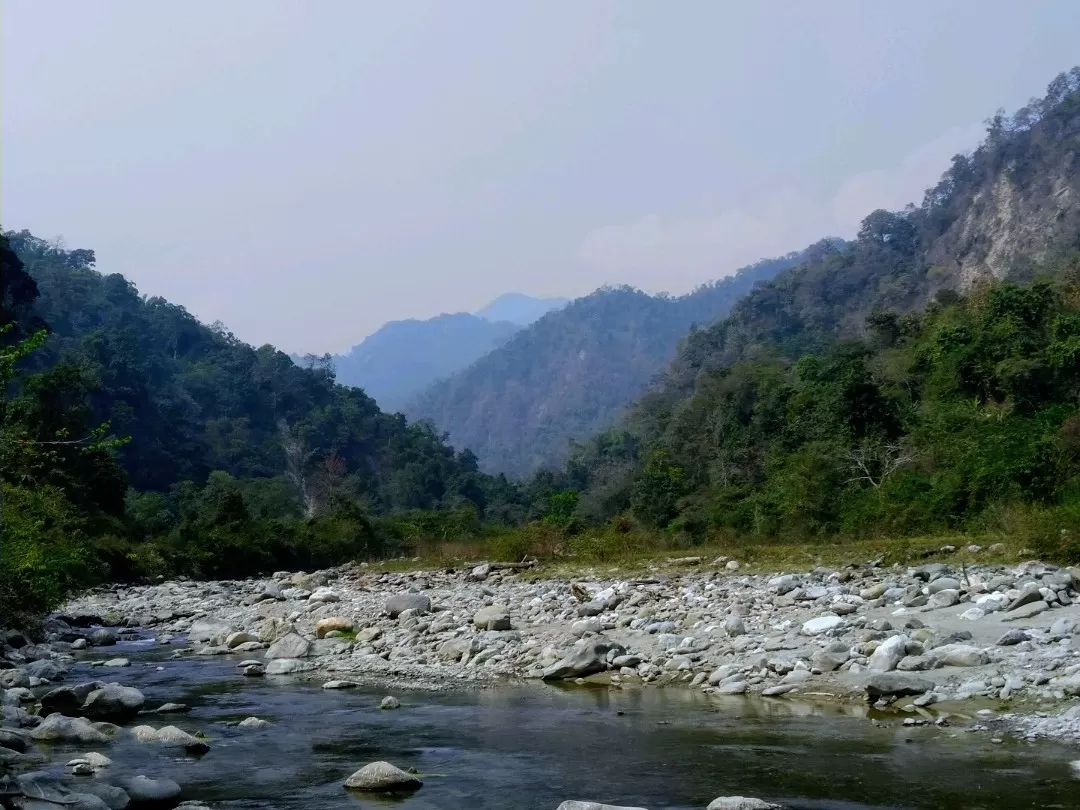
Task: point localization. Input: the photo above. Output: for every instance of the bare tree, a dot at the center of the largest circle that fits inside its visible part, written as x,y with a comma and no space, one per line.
297,456
873,463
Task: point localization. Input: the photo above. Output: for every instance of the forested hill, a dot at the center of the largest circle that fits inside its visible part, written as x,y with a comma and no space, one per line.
571,373
957,398
402,358
1012,205
195,399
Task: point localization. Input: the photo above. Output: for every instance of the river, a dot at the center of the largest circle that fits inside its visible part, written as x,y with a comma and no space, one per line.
531,747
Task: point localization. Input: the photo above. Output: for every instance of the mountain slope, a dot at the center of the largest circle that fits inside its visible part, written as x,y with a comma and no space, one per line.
570,373
520,308
402,358
1008,212
997,214
195,399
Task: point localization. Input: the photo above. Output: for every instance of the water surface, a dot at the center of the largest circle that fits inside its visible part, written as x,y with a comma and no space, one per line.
531,747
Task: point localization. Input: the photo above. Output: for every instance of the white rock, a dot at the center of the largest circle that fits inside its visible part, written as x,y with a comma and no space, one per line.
888,654
821,624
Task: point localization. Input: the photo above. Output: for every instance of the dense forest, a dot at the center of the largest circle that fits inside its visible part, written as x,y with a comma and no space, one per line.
571,373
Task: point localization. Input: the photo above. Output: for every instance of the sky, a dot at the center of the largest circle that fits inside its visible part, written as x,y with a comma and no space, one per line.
305,171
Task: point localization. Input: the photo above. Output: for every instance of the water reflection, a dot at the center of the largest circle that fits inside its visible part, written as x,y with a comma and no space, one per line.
530,747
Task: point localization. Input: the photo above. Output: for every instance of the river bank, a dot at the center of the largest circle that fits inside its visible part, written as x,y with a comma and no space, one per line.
931,653
928,640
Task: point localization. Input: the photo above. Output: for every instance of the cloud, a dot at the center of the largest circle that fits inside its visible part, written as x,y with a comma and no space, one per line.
686,252
895,187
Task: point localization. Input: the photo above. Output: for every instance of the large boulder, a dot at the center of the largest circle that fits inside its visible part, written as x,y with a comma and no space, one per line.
382,777
888,654
46,670
208,630
14,679
896,684
741,803
291,645
234,640
959,655
170,735
492,617
115,798
102,637
586,658
324,595
284,666
67,699
144,791
113,702
396,605
58,728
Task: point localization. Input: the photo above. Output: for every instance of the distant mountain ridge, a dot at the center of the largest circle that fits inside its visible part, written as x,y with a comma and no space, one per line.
403,358
520,308
571,373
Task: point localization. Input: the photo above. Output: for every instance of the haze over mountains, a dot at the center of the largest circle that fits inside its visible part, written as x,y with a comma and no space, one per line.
403,358
571,373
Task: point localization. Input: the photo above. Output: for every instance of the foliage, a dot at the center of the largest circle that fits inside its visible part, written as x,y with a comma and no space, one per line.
971,410
570,374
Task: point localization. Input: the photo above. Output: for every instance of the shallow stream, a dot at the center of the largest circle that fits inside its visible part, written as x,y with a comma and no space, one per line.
531,747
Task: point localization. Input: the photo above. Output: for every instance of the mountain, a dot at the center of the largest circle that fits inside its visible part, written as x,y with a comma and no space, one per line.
402,358
519,308
570,373
195,399
937,350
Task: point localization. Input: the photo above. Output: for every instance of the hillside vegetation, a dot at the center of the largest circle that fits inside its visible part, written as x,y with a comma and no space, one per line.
921,379
136,440
572,372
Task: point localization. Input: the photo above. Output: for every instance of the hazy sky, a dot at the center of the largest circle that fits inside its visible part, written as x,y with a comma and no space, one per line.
305,171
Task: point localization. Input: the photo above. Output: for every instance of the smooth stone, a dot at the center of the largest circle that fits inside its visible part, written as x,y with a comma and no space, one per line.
390,702
896,684
888,654
144,790
944,598
382,777
492,617
207,629
324,595
396,605
288,646
253,722
741,803
576,805
170,735
283,666
58,728
340,685
821,624
113,702
943,584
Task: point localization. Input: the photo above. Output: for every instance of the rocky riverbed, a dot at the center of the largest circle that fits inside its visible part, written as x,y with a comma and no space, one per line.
915,637
982,647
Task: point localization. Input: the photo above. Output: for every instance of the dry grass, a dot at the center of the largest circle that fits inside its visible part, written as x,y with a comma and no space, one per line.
753,558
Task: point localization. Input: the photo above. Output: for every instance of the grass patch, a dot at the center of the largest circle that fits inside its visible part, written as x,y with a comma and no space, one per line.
635,556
